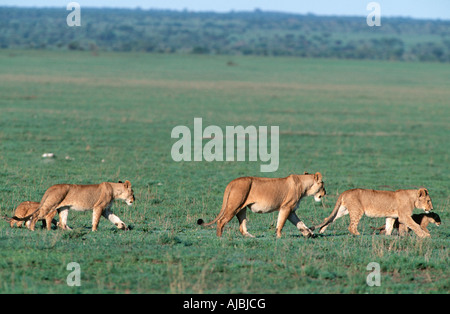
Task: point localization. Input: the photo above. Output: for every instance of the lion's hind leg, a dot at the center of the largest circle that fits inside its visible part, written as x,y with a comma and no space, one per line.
342,211
51,201
355,217
234,202
226,217
242,217
228,214
402,229
389,225
49,219
40,215
63,214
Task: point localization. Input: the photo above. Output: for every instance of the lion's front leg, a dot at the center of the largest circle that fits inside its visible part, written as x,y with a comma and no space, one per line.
293,218
410,223
114,219
100,207
96,213
281,220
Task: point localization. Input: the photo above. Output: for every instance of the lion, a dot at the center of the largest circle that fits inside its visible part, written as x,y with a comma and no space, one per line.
265,195
423,220
27,208
95,197
391,204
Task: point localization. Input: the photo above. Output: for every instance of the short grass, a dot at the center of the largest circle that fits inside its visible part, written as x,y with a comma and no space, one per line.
380,125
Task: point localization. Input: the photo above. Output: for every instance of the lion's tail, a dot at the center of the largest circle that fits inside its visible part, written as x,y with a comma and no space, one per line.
332,216
226,195
383,227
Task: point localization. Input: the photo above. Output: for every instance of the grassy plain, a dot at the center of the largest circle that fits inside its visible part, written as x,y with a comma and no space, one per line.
381,125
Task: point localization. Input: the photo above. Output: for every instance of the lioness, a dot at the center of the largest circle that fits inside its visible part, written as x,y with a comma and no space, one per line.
390,204
28,208
423,220
265,195
95,197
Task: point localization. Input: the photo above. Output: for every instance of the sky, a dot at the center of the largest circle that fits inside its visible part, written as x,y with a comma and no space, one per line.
423,9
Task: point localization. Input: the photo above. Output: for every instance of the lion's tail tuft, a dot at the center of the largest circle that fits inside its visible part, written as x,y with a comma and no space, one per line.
200,222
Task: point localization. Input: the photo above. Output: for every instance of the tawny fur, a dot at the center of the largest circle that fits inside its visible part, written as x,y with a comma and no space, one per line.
265,195
95,197
390,204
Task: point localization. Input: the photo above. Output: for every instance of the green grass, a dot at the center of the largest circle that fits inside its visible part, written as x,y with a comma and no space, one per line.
380,125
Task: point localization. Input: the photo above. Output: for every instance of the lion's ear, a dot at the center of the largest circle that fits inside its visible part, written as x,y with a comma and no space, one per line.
120,181
422,192
318,177
127,184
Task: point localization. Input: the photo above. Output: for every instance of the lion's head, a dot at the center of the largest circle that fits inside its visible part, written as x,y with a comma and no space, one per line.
317,189
423,200
126,193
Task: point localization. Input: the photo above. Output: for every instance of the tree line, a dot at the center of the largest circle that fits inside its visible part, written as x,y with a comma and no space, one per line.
243,33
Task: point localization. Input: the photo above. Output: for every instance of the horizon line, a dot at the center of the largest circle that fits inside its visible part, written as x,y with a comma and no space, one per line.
256,10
